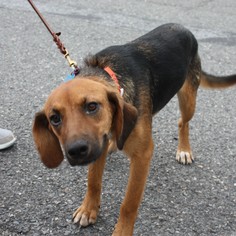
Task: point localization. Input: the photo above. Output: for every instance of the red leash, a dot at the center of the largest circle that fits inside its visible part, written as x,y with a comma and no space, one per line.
56,39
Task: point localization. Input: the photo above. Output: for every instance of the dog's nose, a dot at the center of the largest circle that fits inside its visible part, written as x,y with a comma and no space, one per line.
78,149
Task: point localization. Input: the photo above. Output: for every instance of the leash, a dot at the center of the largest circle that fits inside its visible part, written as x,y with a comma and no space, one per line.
59,44
65,52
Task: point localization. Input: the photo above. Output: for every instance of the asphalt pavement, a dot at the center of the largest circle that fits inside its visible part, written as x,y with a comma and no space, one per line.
179,200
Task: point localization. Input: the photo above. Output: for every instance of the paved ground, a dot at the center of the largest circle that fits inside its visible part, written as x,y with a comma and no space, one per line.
179,200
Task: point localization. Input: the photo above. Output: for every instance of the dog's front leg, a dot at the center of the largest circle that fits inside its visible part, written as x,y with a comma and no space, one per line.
87,213
140,158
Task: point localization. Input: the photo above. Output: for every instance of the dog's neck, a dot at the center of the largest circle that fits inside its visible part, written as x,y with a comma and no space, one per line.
104,74
114,77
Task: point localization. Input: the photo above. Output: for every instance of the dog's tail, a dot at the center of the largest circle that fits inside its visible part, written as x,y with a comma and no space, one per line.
212,81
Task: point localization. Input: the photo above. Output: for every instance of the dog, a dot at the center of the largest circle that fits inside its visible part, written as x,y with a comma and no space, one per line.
109,105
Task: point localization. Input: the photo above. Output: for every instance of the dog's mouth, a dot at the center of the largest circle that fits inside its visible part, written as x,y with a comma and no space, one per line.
80,162
81,152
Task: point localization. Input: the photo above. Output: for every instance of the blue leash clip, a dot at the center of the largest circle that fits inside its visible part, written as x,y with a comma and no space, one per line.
69,77
72,75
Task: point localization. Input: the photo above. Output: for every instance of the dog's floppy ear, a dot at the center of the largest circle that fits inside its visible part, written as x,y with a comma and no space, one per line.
124,119
46,141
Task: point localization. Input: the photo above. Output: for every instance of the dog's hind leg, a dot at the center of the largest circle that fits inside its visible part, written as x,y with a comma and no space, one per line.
187,102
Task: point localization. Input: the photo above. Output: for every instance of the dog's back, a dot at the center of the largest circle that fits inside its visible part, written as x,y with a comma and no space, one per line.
157,61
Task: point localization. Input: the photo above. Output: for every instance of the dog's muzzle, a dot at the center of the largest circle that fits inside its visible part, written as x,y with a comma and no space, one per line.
81,152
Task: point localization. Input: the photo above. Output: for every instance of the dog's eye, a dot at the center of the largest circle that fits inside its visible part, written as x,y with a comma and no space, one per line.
92,107
55,119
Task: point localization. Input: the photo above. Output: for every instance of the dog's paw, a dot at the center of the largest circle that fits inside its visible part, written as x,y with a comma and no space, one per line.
85,215
185,158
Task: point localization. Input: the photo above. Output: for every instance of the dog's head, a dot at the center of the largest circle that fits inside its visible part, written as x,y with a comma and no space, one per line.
80,116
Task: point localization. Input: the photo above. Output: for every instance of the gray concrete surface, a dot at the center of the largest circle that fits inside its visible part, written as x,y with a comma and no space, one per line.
179,200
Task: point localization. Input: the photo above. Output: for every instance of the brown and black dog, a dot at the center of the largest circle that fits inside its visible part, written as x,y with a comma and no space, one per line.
88,117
